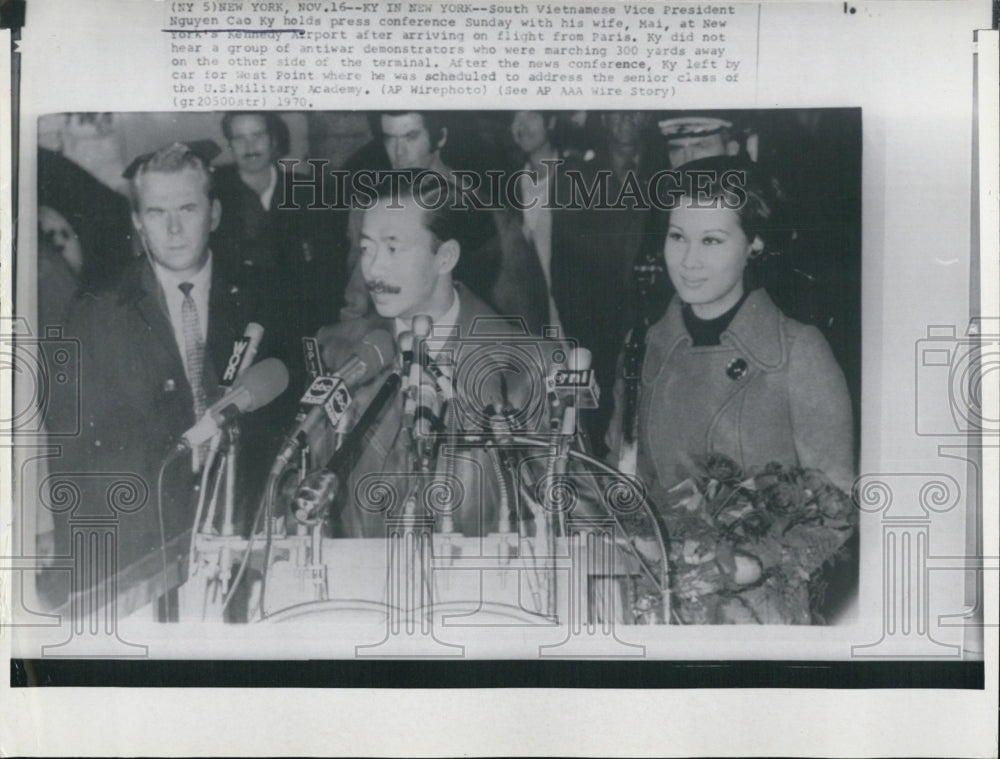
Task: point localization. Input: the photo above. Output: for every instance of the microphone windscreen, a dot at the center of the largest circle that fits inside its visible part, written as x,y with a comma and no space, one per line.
314,496
422,325
405,342
579,359
254,331
263,382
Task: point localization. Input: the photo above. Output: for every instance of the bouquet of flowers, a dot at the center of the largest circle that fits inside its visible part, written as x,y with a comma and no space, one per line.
744,546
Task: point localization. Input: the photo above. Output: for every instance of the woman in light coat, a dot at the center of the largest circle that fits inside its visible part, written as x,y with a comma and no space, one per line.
724,370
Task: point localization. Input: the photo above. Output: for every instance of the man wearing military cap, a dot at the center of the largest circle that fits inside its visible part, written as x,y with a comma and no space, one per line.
694,135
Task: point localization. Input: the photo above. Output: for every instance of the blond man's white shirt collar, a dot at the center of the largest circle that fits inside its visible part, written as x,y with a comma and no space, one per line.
170,282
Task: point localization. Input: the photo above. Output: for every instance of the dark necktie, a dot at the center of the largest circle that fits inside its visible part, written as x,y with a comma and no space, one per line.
194,350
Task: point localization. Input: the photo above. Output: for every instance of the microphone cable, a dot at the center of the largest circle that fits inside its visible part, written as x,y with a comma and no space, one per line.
206,467
267,505
250,541
169,459
662,583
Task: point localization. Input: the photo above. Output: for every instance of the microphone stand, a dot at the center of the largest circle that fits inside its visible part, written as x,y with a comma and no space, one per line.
281,464
555,468
499,438
229,466
214,572
229,463
645,276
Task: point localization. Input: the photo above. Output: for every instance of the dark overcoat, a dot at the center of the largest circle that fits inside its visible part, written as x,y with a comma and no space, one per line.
135,401
378,480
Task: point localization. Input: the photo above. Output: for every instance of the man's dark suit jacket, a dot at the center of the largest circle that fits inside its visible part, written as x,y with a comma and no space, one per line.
298,249
135,400
382,461
594,251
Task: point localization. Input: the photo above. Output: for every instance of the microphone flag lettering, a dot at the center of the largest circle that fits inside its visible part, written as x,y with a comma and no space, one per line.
233,366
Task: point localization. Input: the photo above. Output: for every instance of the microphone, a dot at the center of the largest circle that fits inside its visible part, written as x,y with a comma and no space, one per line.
244,351
568,388
368,360
371,356
255,388
422,325
368,418
411,366
426,423
556,400
573,385
573,389
585,391
255,333
405,344
314,495
441,380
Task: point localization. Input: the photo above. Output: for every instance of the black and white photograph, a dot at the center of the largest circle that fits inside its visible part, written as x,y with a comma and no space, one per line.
600,345
567,350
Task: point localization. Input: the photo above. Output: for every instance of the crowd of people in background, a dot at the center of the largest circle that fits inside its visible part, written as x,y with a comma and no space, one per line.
157,276
573,268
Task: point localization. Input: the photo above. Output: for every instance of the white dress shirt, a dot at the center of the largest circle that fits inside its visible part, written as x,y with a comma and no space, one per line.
170,283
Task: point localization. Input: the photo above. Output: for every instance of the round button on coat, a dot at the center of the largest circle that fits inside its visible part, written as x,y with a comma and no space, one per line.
736,369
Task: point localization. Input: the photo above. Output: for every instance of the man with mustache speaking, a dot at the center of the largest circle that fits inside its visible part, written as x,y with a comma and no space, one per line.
410,243
498,264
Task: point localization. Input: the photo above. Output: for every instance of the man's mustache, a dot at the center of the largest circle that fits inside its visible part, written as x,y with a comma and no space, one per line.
379,286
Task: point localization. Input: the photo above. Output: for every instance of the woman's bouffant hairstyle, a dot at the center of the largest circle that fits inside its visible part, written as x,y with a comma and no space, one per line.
737,184
727,182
